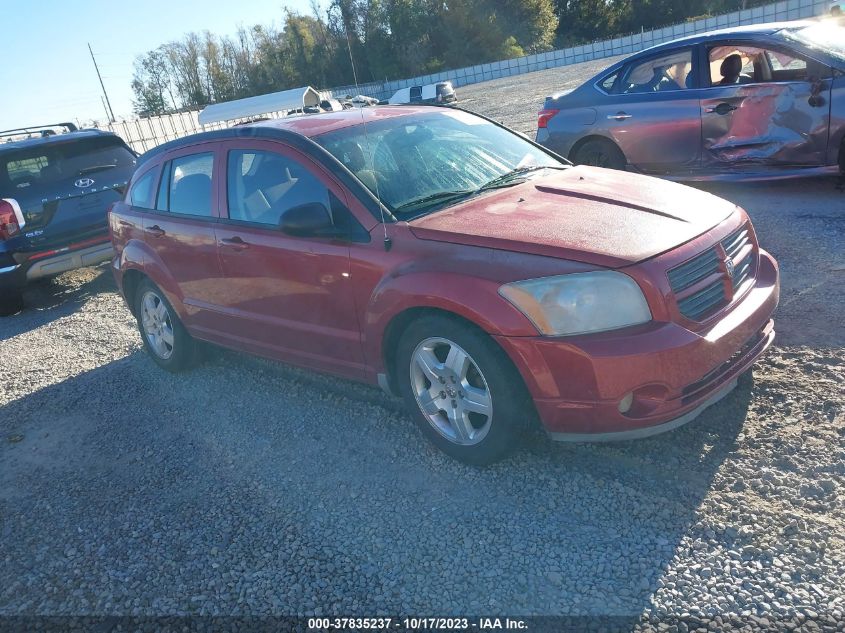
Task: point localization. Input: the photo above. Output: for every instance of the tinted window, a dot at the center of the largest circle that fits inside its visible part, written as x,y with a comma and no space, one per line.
189,185
263,185
142,192
416,93
40,169
659,74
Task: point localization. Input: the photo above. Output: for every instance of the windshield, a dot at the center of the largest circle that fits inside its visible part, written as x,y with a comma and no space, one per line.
421,162
36,170
826,36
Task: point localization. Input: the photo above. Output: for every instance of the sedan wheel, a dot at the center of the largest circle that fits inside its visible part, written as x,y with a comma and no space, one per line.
158,327
451,391
461,388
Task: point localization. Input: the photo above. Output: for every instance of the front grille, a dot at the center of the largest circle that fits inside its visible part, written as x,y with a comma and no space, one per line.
702,285
736,247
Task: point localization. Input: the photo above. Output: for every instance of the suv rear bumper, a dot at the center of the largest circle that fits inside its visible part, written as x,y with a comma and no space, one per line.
671,374
55,262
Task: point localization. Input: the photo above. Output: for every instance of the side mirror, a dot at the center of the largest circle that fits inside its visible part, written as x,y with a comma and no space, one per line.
311,219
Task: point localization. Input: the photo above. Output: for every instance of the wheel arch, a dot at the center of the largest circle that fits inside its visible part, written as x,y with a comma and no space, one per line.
593,137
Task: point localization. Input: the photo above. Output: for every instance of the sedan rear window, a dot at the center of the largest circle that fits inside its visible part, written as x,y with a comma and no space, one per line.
659,74
32,171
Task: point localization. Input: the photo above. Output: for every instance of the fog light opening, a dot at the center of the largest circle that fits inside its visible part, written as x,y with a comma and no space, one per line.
626,402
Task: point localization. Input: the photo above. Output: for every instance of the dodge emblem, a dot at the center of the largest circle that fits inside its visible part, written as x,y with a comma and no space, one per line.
729,267
84,183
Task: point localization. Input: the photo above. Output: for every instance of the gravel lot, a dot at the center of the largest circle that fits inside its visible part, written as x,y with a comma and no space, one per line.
247,487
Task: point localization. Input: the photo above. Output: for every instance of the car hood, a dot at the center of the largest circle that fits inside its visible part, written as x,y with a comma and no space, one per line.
585,214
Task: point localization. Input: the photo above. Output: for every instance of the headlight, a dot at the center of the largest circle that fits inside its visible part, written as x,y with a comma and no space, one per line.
579,303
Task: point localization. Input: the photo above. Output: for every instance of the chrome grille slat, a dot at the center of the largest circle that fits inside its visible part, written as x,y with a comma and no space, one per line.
735,242
702,302
694,270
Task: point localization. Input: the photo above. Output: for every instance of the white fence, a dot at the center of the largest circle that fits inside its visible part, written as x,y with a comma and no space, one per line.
144,134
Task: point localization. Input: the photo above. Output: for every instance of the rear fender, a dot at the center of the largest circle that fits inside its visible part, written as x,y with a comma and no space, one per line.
137,255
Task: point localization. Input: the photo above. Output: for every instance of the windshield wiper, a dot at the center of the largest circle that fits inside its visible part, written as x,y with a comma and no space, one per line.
95,168
440,196
511,177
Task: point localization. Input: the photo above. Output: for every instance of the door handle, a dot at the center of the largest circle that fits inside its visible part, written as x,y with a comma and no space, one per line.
234,242
155,230
619,116
722,108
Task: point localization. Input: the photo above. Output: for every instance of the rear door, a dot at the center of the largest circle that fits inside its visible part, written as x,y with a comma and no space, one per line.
180,231
289,296
776,112
64,187
652,111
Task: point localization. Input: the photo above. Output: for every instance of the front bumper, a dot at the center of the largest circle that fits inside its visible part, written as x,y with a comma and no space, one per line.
672,372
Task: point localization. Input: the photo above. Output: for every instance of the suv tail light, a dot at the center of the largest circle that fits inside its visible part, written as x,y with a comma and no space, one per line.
11,218
544,115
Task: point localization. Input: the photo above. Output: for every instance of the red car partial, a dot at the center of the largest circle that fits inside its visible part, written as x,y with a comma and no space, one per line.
453,262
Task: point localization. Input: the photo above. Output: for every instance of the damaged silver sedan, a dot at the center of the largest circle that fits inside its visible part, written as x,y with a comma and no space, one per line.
759,102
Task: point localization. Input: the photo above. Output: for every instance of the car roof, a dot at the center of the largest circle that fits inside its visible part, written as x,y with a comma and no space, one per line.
293,126
52,139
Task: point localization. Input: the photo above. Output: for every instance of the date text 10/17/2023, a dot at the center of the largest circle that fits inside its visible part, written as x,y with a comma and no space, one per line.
415,624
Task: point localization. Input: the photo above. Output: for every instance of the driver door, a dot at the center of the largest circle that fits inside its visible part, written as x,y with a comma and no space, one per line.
775,113
284,296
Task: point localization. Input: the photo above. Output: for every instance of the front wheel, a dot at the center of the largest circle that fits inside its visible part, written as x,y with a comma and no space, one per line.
462,390
600,153
11,301
165,338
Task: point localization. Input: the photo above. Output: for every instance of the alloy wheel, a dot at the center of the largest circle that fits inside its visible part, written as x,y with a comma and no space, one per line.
157,324
451,391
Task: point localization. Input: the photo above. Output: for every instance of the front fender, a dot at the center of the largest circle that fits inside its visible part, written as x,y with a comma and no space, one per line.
472,298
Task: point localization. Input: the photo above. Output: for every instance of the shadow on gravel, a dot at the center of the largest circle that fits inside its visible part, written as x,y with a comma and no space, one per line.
48,300
302,492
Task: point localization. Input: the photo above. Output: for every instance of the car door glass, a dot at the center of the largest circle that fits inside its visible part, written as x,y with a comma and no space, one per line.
660,74
416,93
261,186
189,185
142,192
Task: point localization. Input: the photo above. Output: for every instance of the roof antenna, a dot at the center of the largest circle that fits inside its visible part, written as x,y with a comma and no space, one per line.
388,243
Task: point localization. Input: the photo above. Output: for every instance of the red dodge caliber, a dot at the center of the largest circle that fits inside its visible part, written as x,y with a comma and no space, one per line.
453,262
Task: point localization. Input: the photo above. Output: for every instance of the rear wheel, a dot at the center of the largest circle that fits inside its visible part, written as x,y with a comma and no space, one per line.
462,390
165,338
600,153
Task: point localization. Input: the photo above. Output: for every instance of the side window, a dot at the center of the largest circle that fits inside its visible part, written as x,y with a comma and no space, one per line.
660,74
142,192
732,64
606,84
186,185
416,93
263,185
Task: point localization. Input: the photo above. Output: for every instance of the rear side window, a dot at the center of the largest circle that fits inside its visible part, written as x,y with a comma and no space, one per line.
416,93
660,74
263,185
143,191
186,185
42,169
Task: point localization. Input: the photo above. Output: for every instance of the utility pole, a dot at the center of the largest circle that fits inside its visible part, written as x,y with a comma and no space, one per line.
102,85
105,109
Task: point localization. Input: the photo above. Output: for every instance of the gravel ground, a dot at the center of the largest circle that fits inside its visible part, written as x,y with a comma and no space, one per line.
247,487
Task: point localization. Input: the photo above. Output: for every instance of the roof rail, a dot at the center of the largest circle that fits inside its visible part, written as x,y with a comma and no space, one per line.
40,130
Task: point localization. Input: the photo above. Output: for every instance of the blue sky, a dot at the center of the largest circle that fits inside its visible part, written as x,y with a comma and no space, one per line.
46,73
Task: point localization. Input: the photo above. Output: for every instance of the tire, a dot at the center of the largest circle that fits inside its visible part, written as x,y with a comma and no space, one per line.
11,301
600,153
165,338
446,365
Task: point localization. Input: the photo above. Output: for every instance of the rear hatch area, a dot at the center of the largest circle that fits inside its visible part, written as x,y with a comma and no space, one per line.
64,188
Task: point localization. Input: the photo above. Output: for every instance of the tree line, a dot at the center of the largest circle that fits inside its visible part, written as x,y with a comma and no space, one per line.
388,39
